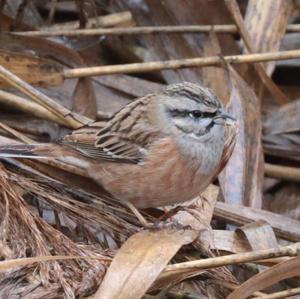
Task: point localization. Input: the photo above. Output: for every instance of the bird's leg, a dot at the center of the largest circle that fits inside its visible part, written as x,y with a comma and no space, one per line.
169,213
138,215
168,221
165,221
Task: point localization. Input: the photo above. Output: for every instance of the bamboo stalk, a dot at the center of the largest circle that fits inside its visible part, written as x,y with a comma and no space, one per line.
68,118
191,266
291,250
179,63
28,106
282,172
111,20
16,134
281,294
9,264
203,264
142,30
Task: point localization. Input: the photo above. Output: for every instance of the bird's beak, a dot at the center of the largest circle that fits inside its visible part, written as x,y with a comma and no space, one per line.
229,120
225,119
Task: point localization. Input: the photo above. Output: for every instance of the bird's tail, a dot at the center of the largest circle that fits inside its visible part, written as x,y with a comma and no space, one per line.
32,151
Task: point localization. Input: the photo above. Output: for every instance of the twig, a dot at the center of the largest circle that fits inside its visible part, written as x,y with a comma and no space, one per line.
179,63
111,20
282,172
8,264
16,134
142,30
69,118
52,11
282,294
291,250
28,106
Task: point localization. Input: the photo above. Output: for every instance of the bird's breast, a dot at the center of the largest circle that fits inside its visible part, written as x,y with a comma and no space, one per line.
166,176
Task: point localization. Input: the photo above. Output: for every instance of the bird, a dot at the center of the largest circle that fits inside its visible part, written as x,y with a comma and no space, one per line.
161,149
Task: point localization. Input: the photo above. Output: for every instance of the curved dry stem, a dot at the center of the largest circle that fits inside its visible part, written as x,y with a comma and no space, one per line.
28,106
267,278
67,117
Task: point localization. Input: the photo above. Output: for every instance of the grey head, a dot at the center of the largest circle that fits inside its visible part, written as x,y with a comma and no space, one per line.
193,112
196,118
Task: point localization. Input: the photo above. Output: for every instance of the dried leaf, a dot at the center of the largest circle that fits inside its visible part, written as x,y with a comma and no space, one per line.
165,47
266,28
215,77
132,86
229,241
281,131
284,227
267,81
198,212
241,180
46,61
260,235
284,270
32,69
139,262
291,194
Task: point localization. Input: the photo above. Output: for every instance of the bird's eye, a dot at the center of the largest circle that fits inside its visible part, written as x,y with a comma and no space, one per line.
195,114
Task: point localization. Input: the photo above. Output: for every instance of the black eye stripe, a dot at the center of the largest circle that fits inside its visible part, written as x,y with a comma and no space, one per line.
177,112
200,114
193,113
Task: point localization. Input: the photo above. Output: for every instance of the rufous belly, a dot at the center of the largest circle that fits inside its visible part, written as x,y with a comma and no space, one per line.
164,178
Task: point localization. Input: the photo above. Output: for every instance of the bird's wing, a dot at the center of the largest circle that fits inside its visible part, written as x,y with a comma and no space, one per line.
126,137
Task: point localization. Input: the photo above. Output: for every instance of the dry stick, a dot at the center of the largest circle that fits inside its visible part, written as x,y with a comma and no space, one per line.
16,134
28,106
282,172
291,250
69,119
143,30
115,19
51,12
179,63
269,84
8,264
277,295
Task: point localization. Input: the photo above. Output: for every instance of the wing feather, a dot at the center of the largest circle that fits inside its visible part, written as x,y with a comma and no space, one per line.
126,137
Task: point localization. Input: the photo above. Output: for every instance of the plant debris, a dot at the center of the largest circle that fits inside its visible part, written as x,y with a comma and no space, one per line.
66,64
